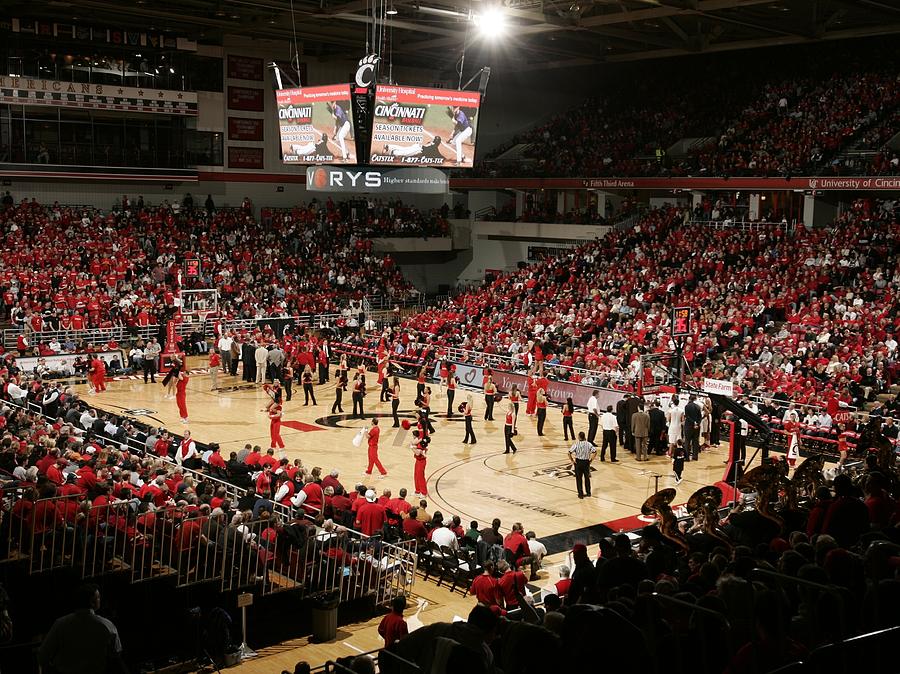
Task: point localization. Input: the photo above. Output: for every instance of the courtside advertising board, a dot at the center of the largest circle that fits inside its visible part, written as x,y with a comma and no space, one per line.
316,125
412,126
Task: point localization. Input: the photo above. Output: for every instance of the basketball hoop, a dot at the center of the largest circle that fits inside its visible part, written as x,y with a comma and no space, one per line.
198,304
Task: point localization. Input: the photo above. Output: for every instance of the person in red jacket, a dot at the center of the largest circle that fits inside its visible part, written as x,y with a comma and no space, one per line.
215,362
370,516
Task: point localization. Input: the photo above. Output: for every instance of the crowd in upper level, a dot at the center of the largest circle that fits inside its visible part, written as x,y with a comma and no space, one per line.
796,119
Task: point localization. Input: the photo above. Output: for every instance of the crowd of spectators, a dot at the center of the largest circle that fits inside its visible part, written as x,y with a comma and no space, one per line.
750,595
71,268
807,314
793,120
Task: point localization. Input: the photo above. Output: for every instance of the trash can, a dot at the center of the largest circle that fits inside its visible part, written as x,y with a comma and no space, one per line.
324,617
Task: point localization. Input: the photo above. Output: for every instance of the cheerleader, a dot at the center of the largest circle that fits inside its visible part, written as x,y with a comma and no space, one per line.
420,383
340,378
445,376
467,414
395,400
531,390
541,404
420,454
181,395
275,412
308,385
359,390
426,409
515,397
171,378
451,394
568,424
792,428
384,380
273,390
508,425
287,376
490,390
843,447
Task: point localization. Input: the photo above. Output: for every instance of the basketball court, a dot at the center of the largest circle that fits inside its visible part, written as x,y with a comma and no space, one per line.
477,482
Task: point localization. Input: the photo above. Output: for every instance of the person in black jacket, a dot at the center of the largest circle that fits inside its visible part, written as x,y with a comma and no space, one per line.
657,429
693,414
584,576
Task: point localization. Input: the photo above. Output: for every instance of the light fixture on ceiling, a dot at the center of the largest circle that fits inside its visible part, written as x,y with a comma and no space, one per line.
220,12
391,11
272,20
491,22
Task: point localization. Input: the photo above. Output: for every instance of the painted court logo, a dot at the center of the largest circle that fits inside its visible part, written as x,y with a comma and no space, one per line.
140,412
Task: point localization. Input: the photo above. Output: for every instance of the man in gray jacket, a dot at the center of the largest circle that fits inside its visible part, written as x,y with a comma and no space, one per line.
640,431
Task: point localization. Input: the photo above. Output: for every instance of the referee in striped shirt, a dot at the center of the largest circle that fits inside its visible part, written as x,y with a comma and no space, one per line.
581,455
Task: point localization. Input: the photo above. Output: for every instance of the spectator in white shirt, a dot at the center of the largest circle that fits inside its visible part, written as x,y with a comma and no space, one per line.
535,547
443,536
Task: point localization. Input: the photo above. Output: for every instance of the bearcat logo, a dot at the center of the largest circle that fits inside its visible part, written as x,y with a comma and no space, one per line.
395,110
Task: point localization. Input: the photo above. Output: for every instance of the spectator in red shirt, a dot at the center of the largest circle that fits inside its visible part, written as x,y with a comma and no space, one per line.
484,587
517,545
370,516
393,627
510,585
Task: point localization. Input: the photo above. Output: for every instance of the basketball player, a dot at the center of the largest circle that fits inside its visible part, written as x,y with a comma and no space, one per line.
430,151
462,131
341,126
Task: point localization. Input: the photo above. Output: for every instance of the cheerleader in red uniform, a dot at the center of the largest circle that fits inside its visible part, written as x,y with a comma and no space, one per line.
181,396
420,451
98,375
275,412
541,401
515,397
792,428
568,425
445,375
531,390
420,384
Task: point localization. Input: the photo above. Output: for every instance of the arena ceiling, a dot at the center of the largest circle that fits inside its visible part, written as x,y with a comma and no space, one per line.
539,34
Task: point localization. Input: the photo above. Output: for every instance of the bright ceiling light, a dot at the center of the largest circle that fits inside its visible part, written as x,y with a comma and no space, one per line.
391,12
491,22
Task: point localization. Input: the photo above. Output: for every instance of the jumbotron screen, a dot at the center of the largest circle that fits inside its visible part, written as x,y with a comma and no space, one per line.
424,127
316,125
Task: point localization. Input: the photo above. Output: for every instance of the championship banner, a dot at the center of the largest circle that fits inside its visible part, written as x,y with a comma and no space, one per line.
424,127
372,180
28,91
316,125
473,375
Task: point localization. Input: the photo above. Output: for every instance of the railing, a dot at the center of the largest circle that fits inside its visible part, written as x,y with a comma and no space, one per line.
745,225
514,363
122,334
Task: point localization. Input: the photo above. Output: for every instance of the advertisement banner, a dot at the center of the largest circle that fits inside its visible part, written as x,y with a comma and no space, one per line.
720,386
246,158
245,98
243,128
316,125
31,91
245,68
424,127
371,180
848,184
473,375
